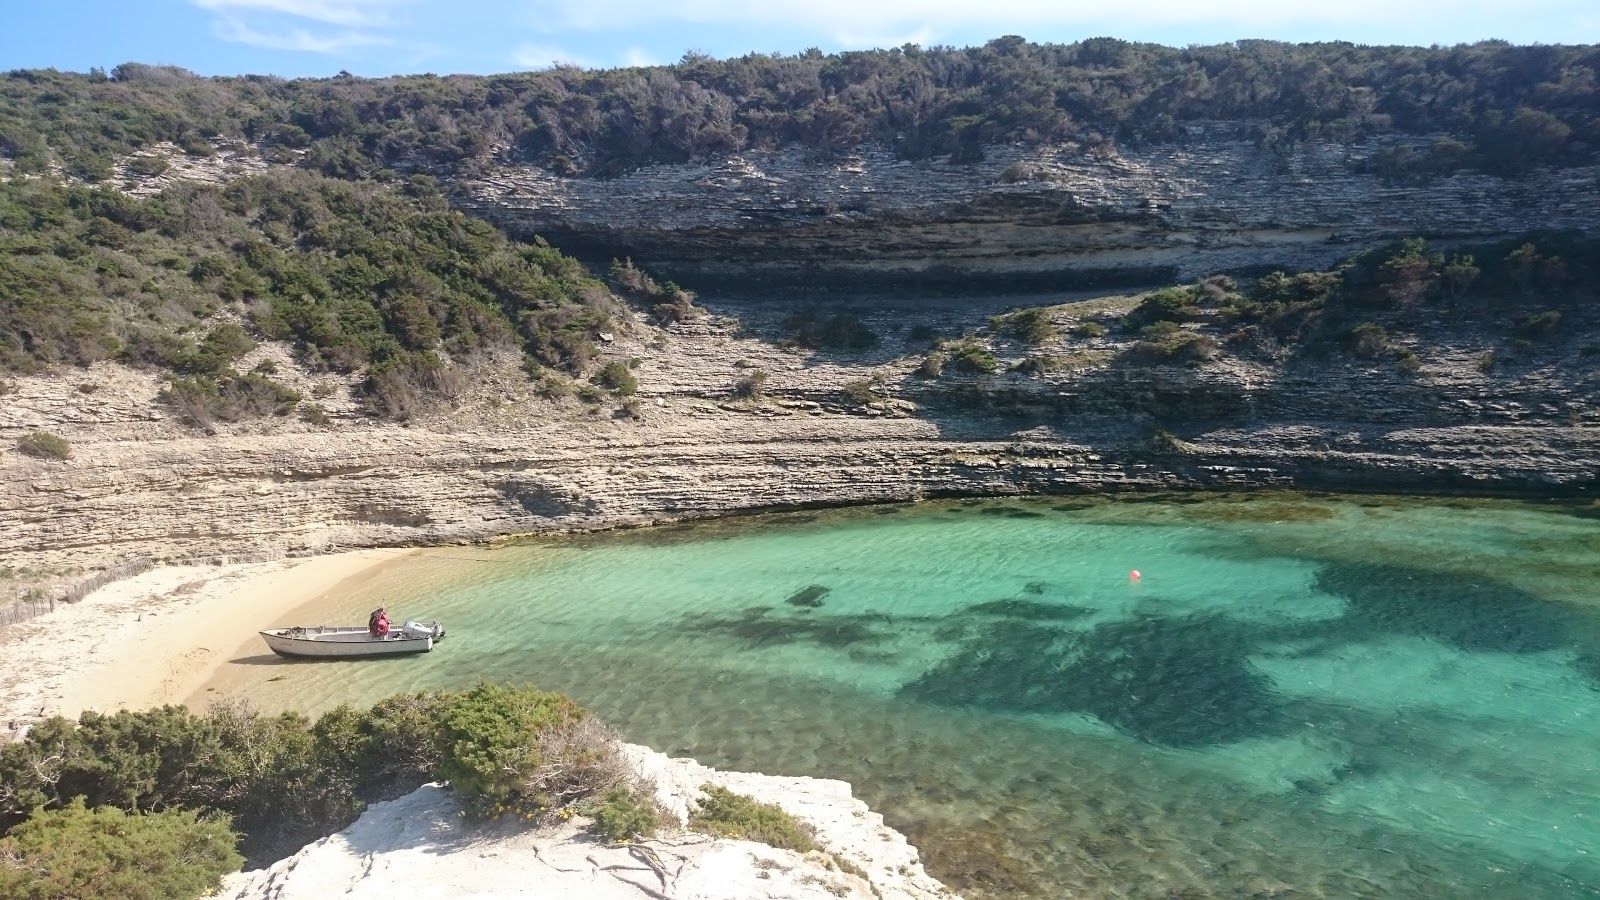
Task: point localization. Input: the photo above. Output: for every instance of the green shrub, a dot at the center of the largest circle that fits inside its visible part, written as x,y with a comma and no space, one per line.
45,445
1165,342
619,814
1166,305
148,166
75,852
1538,325
202,399
410,384
1032,326
1368,339
863,390
727,814
932,365
615,377
489,738
1088,330
1486,361
971,358
1407,362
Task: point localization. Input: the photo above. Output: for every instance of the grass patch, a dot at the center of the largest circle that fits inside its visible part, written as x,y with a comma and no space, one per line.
45,445
727,814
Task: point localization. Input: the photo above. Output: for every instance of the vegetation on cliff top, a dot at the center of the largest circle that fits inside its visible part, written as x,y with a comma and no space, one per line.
1506,107
359,276
165,786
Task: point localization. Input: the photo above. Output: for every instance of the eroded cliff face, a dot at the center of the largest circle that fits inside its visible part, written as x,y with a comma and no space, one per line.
1022,219
503,461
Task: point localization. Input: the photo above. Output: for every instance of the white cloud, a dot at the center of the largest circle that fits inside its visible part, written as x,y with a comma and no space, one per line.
282,24
544,56
298,39
638,56
854,18
349,13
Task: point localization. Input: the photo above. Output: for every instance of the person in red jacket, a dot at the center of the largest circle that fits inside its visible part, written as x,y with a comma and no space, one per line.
378,623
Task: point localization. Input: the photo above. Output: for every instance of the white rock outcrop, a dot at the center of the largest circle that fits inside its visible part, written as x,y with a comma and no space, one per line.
419,846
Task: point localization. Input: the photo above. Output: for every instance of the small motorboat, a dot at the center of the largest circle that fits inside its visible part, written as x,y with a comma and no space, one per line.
352,641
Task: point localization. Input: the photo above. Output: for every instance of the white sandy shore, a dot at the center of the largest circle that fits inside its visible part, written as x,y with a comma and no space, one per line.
158,637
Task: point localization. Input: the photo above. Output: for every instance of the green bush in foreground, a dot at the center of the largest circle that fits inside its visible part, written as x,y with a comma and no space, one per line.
727,814
284,781
76,852
621,815
45,445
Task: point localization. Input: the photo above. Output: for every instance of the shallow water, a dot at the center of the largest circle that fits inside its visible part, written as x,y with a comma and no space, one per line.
1310,697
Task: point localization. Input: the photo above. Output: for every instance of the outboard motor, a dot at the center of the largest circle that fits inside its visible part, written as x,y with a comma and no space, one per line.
420,630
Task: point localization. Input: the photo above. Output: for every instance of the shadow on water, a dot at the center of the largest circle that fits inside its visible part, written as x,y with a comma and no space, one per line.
1187,681
1470,614
1178,682
1030,610
757,627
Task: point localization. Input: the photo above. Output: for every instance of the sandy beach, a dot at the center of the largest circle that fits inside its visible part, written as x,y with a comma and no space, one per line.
156,638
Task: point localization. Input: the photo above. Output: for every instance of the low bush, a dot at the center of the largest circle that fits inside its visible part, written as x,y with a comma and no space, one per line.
490,736
148,166
1032,326
231,397
1538,326
1172,304
76,852
1088,330
750,386
615,377
727,814
285,781
862,391
932,365
620,814
1165,342
45,445
971,358
1368,339
410,385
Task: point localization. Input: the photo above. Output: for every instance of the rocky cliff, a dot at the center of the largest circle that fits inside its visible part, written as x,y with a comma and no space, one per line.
826,431
1022,219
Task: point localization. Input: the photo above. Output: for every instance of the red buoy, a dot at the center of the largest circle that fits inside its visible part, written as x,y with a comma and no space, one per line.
1134,575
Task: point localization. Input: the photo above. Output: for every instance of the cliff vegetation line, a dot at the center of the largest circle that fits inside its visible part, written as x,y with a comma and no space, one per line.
1506,108
154,803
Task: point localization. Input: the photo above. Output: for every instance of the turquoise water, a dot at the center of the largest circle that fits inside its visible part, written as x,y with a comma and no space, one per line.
1306,697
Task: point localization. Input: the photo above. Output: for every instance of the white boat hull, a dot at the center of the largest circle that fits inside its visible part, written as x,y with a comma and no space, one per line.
347,642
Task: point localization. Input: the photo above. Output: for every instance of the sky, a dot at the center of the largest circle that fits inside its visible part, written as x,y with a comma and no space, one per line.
294,38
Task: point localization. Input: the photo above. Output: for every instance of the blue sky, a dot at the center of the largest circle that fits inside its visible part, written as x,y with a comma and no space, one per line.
383,37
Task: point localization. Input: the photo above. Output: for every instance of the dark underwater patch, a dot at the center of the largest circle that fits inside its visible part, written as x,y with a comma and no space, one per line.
1467,613
1588,664
757,627
1031,610
1178,682
1034,587
809,596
